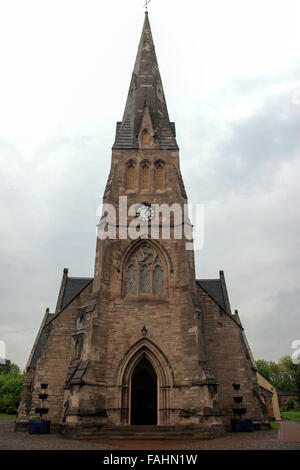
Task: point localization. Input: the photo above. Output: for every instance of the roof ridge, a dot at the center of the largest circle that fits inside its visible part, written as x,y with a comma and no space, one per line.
71,277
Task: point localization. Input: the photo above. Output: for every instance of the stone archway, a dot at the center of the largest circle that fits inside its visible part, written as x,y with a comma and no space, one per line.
145,356
143,394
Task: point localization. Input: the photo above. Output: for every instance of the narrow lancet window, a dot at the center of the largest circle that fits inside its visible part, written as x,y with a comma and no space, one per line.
145,137
158,281
144,281
160,177
130,176
145,177
131,284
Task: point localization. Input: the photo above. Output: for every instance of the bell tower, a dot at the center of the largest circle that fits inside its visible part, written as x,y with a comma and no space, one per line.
141,358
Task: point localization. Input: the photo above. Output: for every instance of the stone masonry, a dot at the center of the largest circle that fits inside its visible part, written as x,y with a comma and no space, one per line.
143,314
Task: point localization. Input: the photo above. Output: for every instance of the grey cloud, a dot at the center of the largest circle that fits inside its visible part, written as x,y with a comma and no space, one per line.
274,331
251,156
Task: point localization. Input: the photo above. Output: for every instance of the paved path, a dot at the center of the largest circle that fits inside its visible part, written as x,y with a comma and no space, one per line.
289,431
287,439
11,440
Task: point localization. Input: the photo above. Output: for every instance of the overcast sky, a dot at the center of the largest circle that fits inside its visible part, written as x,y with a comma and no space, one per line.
231,76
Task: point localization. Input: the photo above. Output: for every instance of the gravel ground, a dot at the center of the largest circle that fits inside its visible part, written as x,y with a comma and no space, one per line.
267,435
250,445
259,440
11,440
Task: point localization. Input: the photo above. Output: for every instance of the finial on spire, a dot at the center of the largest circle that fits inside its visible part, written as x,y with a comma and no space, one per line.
146,5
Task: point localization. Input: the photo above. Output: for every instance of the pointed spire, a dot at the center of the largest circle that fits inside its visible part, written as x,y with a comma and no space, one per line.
146,90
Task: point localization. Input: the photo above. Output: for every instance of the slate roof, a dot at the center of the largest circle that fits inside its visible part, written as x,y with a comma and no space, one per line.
145,90
213,288
74,286
41,342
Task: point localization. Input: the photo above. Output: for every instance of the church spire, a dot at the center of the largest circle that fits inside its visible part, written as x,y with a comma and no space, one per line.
145,95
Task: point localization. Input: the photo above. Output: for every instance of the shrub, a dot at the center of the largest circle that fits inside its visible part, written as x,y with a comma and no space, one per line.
10,391
290,404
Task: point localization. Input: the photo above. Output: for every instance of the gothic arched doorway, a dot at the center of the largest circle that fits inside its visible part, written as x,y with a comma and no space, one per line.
144,394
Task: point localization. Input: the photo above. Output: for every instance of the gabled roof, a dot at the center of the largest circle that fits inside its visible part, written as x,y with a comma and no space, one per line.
213,288
145,91
74,286
40,342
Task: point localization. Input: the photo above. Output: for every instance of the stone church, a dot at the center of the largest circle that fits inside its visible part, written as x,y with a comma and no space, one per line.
143,346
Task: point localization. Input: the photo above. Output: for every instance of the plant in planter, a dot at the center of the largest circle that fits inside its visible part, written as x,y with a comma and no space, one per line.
238,399
240,424
40,425
236,386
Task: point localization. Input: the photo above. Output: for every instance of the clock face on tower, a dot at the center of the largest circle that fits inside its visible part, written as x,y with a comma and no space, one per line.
145,213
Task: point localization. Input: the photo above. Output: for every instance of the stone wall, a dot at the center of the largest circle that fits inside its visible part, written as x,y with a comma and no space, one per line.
228,357
52,364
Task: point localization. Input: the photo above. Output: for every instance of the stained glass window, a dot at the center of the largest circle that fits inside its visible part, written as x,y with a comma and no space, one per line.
144,281
131,283
144,272
158,281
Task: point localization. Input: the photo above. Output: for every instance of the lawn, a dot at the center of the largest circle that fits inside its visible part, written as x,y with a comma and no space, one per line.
275,425
4,416
292,415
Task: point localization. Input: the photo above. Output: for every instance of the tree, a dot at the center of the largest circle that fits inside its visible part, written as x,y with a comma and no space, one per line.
298,381
15,369
11,384
281,375
263,368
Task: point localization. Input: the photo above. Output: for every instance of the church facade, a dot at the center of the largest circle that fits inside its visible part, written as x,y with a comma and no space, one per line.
143,342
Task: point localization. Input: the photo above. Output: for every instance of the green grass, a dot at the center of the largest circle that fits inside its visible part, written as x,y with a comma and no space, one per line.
5,416
275,425
291,414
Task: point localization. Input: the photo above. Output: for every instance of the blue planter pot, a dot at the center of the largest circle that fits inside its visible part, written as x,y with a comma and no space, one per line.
41,426
241,425
41,411
43,396
238,399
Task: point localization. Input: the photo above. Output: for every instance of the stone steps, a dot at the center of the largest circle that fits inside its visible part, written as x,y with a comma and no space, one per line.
150,433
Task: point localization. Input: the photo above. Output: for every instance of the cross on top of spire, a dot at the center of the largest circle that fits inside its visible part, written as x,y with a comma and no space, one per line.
146,4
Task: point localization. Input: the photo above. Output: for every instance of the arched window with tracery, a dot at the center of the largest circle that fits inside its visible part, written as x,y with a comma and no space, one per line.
144,274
